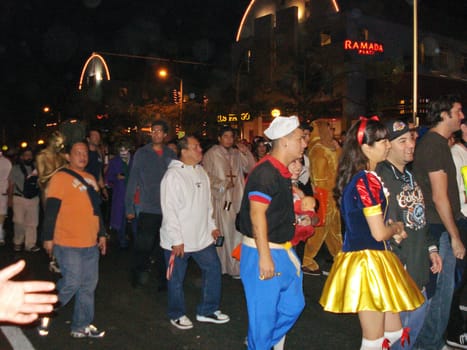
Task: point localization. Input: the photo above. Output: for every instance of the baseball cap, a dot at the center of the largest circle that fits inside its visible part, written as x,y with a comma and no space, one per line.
396,128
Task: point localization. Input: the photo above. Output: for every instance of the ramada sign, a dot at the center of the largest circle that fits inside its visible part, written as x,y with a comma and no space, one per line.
363,47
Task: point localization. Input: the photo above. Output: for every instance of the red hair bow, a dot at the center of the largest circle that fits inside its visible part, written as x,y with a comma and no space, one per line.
362,127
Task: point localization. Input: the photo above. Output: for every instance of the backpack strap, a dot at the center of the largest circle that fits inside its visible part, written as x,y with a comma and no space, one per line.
93,196
25,173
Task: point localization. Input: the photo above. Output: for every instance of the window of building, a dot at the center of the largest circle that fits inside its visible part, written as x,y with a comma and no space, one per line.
464,64
326,39
364,34
443,57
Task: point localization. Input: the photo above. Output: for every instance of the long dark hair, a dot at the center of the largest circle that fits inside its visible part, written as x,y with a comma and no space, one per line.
353,159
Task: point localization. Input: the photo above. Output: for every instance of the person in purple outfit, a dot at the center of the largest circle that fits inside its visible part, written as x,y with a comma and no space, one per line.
116,178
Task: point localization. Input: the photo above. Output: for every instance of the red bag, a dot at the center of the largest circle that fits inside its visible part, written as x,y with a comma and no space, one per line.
236,252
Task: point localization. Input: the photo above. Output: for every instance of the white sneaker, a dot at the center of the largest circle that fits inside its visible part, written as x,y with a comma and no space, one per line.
53,266
182,322
90,331
43,328
459,343
216,317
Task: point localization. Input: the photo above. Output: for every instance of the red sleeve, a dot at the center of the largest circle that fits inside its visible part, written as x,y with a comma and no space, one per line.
372,186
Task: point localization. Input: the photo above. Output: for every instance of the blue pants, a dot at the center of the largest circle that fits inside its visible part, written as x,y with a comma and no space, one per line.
274,305
210,266
431,337
80,273
414,320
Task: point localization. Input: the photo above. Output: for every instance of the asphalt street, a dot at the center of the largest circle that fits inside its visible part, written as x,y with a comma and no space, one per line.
136,318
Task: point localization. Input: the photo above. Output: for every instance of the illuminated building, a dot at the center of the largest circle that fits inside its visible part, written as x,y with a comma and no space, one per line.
340,59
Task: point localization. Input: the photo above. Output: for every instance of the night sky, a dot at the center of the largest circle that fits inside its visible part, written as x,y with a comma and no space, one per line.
44,43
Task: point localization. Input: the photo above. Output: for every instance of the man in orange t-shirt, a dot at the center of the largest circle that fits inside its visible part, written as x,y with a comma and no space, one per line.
73,229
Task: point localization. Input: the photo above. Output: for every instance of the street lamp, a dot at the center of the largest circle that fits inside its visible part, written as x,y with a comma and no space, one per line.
414,3
415,62
275,112
164,74
48,111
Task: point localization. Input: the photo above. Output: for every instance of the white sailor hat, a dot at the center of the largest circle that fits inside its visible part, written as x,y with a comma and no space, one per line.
281,126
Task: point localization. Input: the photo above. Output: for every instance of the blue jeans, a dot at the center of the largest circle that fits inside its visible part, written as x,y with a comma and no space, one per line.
414,320
431,337
80,273
208,261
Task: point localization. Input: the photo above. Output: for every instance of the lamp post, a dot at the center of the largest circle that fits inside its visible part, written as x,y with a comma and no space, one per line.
415,62
414,3
163,74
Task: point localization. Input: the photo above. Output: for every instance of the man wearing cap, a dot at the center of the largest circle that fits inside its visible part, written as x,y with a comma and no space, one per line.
269,267
406,204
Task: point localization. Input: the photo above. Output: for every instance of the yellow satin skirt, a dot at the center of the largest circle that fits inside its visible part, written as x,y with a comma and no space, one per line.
369,280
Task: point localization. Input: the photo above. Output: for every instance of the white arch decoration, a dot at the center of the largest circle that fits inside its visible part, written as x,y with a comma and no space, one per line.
92,57
334,4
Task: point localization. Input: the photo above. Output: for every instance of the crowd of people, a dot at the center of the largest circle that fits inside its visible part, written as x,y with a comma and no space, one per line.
389,206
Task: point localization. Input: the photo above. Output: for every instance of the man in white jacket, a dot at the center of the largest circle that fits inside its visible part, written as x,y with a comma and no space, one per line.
188,230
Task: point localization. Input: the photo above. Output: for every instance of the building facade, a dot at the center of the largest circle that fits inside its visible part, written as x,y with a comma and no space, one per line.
339,60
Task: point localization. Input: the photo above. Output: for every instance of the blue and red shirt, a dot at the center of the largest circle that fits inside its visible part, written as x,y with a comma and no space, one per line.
269,183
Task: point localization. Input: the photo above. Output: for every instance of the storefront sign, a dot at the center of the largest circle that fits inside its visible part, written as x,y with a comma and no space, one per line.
363,47
232,117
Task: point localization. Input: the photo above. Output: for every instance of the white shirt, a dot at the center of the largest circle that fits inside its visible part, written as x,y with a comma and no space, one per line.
305,173
187,214
459,155
5,169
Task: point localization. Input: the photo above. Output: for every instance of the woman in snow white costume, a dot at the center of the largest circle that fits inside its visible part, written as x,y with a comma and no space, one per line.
367,277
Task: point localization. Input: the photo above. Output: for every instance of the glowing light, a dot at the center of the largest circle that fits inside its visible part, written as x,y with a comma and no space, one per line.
98,76
300,13
275,112
4,148
46,109
40,142
363,47
336,6
24,144
100,58
163,73
242,22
